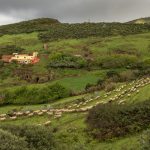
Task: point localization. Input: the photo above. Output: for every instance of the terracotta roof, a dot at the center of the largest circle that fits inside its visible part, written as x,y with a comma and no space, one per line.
6,58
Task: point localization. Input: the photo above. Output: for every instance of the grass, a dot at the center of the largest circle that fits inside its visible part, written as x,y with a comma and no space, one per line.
5,109
98,45
77,81
73,126
142,95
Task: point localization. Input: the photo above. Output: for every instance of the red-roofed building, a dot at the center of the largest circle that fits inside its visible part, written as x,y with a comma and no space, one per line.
21,58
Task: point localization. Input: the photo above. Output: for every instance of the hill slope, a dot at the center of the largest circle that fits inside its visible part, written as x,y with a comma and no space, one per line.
40,24
141,21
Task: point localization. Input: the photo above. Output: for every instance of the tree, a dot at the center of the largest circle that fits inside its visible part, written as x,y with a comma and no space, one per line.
8,141
145,140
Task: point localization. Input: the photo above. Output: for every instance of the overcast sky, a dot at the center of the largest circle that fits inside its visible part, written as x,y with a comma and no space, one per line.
73,10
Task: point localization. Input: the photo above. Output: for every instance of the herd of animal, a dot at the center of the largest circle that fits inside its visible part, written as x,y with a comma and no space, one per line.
124,92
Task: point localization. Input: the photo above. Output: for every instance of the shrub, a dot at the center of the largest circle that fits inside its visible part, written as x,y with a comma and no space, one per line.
125,49
112,73
109,86
9,49
127,75
143,65
12,142
41,24
35,137
88,86
1,64
116,61
66,61
25,95
112,120
84,30
145,140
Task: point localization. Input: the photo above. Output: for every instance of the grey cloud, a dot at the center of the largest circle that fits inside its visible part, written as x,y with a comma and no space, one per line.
76,10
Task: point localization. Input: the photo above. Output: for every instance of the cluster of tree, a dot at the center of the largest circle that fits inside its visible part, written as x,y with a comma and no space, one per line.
113,120
9,49
6,72
115,61
145,140
25,95
22,137
84,30
111,78
26,138
61,60
42,24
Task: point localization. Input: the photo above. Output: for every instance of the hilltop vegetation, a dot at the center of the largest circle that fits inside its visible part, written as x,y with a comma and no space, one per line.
42,24
85,30
141,21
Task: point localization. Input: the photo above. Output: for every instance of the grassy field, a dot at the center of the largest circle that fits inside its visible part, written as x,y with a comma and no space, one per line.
98,45
73,126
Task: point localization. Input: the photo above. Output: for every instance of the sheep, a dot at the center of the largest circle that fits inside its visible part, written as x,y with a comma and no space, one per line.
58,113
36,111
129,95
57,116
3,115
121,101
44,110
105,96
97,97
39,124
97,103
27,112
31,114
47,123
50,113
19,113
2,119
13,118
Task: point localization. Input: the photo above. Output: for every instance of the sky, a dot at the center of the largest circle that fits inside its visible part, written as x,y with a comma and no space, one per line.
73,11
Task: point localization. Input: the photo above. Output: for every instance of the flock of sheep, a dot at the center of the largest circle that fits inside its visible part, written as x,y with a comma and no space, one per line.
125,91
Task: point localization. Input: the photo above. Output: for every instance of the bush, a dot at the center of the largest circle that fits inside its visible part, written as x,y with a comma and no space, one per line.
112,73
41,24
109,86
143,65
25,95
10,49
127,76
116,61
32,137
8,141
125,49
58,60
112,120
145,140
84,30
1,64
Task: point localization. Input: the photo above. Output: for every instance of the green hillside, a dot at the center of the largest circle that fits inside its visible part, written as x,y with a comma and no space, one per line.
90,89
41,24
141,21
